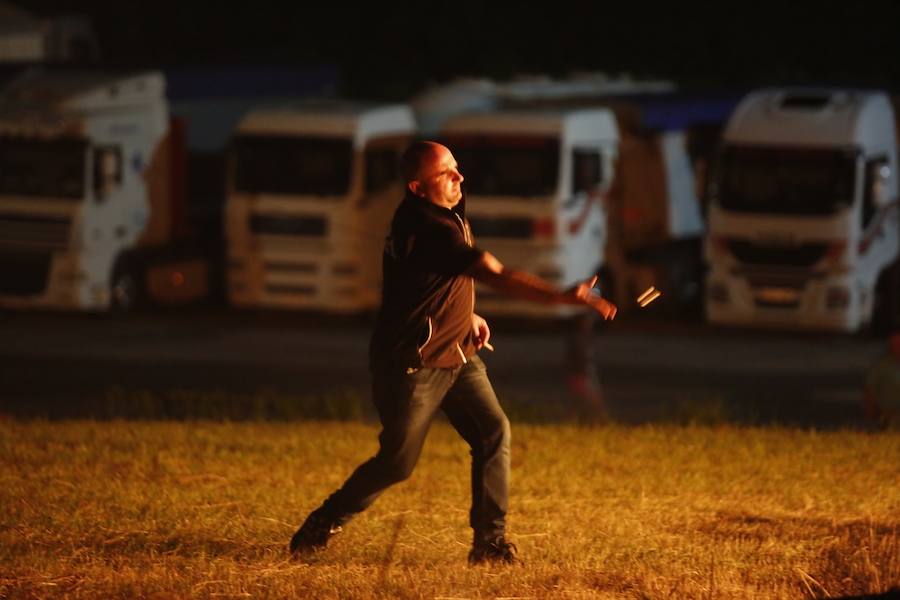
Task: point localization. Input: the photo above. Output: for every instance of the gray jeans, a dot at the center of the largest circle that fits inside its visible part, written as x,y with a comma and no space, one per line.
407,403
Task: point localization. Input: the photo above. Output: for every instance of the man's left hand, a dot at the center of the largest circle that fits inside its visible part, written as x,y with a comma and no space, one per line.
480,331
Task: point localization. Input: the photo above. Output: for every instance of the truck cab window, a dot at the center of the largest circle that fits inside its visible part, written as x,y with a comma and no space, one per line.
785,180
292,166
382,168
107,170
587,170
501,165
878,174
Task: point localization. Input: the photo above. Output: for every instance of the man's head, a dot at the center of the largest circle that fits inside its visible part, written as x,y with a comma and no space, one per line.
431,172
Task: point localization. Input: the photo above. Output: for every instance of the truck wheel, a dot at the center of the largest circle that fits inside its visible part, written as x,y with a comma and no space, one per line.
124,293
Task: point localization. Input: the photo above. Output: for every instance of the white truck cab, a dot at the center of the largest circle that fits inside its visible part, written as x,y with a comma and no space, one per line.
803,219
534,180
311,190
85,163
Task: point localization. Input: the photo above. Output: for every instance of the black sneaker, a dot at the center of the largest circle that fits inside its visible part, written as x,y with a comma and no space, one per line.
497,551
313,534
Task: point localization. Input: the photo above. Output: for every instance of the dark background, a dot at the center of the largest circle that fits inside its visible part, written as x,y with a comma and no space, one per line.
389,50
195,362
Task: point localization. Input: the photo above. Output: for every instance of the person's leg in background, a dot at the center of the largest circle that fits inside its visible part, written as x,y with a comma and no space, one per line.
582,381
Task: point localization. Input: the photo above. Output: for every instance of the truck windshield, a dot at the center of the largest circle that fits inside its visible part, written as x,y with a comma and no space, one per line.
786,180
508,165
292,165
45,168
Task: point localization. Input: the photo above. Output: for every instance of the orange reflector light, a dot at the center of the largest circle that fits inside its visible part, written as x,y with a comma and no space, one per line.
836,250
177,278
543,227
720,243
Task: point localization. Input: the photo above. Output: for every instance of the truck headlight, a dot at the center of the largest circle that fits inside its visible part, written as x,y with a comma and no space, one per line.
837,298
344,268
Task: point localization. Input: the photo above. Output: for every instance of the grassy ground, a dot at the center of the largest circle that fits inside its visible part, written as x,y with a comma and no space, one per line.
202,509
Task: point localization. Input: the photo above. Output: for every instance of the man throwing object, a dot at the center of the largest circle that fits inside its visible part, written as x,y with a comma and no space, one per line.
423,355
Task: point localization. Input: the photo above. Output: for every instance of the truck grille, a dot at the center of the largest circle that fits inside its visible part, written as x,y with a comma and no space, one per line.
783,278
507,227
801,255
776,288
31,232
23,274
305,226
291,290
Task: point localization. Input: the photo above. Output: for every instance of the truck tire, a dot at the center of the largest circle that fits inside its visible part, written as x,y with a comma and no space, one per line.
125,290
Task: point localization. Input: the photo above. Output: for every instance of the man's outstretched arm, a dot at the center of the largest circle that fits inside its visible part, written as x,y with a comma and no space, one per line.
525,286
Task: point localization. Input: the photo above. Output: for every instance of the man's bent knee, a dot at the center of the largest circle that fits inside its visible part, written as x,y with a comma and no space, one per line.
397,470
497,435
501,429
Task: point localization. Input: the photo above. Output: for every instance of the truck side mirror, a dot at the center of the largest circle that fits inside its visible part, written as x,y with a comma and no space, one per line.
878,175
107,171
880,179
587,171
382,168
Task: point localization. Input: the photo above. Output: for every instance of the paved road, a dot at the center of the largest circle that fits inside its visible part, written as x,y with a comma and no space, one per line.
650,369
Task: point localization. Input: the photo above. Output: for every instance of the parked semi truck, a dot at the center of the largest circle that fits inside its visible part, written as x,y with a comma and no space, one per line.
91,194
656,204
311,190
803,215
534,182
654,213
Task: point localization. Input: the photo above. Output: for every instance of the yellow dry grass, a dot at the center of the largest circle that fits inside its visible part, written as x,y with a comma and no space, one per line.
203,509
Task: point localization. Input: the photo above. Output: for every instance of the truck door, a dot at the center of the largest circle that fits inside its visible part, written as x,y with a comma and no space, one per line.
106,227
584,214
878,243
879,246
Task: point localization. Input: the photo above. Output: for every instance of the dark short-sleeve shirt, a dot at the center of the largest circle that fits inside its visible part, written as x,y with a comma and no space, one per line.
425,318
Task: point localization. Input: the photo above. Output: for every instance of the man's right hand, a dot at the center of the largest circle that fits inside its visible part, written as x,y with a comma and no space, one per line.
490,271
603,306
583,293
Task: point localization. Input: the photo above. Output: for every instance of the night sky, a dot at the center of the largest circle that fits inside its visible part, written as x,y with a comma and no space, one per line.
390,50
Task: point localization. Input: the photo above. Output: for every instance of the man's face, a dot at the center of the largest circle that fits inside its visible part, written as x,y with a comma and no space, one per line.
439,179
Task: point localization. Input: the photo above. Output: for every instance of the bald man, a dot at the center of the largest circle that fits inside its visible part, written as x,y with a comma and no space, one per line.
423,355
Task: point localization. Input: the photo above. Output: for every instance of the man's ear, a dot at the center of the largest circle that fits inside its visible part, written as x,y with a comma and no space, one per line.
415,187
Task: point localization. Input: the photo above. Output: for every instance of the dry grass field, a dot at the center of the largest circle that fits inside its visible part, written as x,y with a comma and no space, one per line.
205,509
